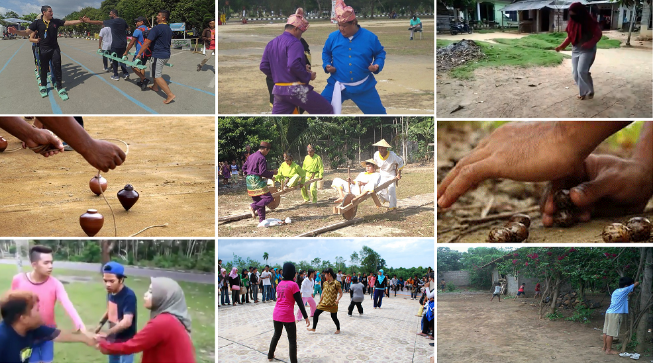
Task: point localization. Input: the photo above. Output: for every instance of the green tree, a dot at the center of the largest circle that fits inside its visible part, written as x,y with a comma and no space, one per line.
11,14
449,260
265,256
316,262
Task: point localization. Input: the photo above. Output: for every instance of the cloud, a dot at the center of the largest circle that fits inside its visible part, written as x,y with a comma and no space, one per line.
61,8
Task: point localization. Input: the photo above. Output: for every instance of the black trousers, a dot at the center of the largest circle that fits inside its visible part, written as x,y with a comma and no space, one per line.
45,57
334,317
244,298
428,325
357,304
291,330
119,53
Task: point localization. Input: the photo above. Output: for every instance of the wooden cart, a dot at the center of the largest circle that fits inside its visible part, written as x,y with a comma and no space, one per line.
349,205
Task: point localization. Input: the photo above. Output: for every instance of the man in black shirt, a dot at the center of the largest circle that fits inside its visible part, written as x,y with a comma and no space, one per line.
47,28
118,40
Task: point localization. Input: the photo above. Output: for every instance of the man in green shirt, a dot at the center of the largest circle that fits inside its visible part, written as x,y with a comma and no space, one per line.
415,25
291,171
314,170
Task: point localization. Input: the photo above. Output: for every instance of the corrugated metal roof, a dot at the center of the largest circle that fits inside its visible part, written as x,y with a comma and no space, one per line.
527,5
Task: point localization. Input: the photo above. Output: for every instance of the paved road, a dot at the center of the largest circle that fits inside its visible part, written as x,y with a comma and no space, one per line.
131,271
90,89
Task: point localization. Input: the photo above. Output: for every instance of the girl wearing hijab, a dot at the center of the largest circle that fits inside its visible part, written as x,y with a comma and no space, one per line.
224,289
166,337
583,32
234,282
328,301
287,295
379,289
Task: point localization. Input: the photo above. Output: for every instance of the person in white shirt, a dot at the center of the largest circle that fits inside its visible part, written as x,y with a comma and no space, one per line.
390,165
267,285
364,183
105,45
497,291
307,293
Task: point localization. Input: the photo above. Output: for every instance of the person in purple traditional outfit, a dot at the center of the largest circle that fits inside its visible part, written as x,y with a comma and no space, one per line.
257,173
352,55
285,62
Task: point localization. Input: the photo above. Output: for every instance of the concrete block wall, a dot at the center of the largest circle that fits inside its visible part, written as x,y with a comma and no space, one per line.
458,278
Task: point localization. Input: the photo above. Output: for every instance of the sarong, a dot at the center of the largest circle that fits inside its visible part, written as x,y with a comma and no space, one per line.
256,185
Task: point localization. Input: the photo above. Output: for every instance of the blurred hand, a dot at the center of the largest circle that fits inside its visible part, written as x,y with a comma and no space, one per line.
308,322
602,186
373,67
103,155
41,137
558,49
521,151
313,76
331,69
12,30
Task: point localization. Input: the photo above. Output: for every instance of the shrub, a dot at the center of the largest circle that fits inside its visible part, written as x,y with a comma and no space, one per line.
583,314
451,287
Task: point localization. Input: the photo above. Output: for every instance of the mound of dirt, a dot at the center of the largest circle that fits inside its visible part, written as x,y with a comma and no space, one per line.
456,54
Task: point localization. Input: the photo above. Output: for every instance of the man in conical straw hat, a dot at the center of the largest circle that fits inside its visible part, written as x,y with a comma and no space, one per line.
390,165
365,182
352,55
285,62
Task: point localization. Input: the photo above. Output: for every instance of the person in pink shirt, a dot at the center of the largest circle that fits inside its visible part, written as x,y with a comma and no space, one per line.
287,295
48,290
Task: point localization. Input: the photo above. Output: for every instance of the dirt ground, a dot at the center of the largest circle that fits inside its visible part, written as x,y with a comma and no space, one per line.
405,84
414,216
507,196
622,78
510,331
46,196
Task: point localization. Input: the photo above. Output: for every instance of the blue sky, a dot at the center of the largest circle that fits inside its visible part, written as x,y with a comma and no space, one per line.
61,8
398,252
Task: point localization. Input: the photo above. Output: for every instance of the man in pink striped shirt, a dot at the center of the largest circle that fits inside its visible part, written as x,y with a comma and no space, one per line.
49,290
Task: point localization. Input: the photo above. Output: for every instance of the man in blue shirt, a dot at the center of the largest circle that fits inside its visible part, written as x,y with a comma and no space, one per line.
118,40
161,38
352,55
22,327
614,314
138,39
121,310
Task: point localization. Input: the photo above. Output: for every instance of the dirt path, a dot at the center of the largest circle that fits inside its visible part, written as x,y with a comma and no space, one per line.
405,84
472,329
622,79
170,163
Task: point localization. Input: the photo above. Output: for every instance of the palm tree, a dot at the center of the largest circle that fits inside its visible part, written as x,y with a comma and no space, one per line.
265,257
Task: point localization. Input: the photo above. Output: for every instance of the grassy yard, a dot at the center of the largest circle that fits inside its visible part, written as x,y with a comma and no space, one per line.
534,50
89,299
549,41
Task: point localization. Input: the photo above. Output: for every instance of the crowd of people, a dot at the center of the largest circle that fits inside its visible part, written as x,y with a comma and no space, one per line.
285,287
28,329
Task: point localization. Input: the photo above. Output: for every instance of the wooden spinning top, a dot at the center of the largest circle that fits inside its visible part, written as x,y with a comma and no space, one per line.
3,144
91,222
128,197
96,183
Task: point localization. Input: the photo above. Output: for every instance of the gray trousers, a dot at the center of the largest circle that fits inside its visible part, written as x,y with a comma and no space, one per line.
581,61
255,292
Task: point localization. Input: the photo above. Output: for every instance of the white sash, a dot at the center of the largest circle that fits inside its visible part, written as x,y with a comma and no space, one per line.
336,98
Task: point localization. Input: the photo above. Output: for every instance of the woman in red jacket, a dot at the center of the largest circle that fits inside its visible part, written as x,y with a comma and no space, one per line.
583,32
166,337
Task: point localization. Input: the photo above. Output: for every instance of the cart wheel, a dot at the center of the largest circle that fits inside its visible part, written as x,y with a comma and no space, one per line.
276,201
350,214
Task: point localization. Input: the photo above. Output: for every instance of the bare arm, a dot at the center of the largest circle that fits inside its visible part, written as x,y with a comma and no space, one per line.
103,320
100,154
146,44
644,148
32,137
123,324
72,22
70,337
100,44
130,45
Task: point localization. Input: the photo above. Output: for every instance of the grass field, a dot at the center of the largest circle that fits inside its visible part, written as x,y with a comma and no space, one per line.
89,299
550,41
530,51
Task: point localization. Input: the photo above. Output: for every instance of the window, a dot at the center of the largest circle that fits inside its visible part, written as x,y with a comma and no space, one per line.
511,15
